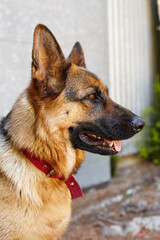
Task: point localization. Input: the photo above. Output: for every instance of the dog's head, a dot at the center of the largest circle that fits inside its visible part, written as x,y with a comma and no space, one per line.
71,101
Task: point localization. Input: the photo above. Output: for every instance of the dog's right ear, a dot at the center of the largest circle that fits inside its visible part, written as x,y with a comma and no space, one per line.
48,62
77,56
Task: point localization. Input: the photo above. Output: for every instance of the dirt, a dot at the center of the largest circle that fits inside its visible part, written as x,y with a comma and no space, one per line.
134,192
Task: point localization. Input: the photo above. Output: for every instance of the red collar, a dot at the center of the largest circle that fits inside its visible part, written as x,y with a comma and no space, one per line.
46,168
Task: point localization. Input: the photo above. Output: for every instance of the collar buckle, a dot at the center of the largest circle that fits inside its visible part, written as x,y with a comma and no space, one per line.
50,173
46,168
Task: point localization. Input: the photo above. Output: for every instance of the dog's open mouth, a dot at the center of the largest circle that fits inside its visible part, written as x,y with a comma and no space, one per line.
99,142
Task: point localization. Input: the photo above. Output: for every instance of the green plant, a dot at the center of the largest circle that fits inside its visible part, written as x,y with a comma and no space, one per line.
114,159
150,145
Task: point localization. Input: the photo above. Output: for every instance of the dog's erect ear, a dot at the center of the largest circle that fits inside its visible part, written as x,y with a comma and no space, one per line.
48,62
77,56
47,55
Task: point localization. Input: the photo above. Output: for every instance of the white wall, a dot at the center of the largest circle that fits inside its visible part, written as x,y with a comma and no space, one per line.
70,21
131,53
117,39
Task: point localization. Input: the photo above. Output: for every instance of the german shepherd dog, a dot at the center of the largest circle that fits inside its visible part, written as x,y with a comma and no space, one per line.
64,111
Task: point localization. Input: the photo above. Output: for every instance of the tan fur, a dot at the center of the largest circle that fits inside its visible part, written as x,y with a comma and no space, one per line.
32,206
63,108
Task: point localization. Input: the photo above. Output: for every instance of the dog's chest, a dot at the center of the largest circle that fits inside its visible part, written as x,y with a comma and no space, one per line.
50,219
48,223
42,214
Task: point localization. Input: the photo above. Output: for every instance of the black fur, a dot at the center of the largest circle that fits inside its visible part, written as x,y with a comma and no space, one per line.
117,125
3,130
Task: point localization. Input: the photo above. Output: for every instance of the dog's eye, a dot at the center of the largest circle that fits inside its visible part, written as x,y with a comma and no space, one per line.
92,96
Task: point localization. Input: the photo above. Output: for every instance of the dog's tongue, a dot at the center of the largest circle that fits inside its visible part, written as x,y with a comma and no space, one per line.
116,144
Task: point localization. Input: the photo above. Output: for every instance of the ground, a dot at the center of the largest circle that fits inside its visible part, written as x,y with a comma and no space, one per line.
127,208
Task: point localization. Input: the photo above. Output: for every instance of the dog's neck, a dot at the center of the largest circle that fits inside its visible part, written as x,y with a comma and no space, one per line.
21,127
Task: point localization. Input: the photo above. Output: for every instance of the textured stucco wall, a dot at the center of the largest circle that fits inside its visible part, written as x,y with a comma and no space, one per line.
70,21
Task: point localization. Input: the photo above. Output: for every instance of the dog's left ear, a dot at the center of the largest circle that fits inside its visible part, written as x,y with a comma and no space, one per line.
48,63
77,56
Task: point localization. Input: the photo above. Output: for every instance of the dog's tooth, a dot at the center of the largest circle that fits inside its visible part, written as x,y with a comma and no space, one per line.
94,136
99,138
111,144
91,135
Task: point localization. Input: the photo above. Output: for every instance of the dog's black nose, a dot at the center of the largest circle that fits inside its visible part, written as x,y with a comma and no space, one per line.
137,124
